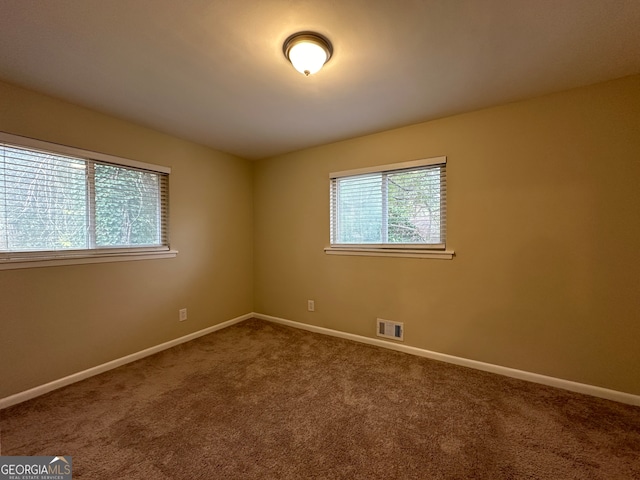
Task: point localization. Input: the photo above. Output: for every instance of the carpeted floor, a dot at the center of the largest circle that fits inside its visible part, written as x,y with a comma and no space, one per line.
262,401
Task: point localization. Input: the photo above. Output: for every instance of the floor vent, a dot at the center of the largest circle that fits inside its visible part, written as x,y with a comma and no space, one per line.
390,329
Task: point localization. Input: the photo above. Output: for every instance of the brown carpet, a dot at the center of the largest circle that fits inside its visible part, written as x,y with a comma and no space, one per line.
263,401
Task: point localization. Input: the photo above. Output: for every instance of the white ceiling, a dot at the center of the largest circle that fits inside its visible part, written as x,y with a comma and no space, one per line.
213,71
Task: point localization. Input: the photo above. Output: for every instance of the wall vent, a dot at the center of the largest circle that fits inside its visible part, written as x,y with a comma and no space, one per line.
389,329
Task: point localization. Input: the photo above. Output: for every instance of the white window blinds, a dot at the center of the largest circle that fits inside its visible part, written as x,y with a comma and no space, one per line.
392,206
51,201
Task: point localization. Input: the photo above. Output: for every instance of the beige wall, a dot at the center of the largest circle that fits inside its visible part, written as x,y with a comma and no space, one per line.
544,216
56,321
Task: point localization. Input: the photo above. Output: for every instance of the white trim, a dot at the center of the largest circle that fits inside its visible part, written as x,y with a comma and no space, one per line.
583,388
392,166
20,141
388,252
64,258
592,390
76,377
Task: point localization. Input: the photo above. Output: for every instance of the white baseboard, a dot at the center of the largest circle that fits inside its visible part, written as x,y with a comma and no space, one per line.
614,395
76,377
592,390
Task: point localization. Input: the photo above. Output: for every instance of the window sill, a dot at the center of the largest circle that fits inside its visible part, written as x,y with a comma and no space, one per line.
388,252
59,259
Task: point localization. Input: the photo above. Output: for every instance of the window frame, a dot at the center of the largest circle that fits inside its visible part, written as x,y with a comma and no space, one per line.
411,250
42,258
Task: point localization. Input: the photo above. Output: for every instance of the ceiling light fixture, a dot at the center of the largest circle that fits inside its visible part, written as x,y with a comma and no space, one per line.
307,51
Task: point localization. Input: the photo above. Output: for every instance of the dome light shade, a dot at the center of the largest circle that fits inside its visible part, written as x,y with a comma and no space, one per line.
307,51
307,57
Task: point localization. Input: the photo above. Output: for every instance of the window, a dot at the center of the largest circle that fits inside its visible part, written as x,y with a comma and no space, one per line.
62,202
397,209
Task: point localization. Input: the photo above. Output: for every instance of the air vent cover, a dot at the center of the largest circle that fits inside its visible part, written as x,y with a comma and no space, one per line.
389,329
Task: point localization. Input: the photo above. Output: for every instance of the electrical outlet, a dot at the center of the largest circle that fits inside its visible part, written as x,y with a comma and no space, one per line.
311,305
183,314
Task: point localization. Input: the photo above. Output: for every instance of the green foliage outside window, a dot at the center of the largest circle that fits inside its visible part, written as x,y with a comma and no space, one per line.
124,214
53,202
399,207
